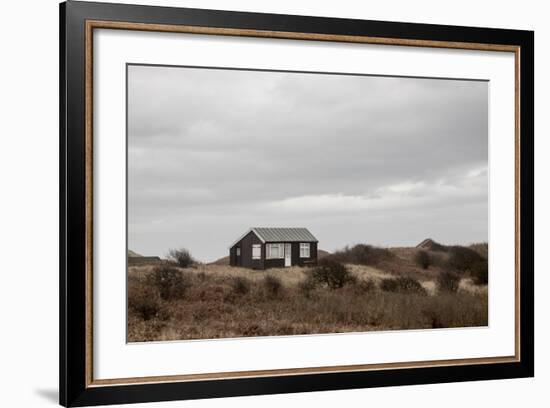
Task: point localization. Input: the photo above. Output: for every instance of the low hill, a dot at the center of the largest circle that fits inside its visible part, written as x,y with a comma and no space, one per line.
133,254
221,261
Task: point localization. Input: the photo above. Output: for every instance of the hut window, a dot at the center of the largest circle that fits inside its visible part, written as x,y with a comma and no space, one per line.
256,251
304,250
238,251
275,251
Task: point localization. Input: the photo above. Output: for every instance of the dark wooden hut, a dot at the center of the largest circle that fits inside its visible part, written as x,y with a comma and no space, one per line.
262,248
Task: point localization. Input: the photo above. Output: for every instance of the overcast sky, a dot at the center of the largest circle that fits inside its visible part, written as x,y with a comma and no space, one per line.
385,161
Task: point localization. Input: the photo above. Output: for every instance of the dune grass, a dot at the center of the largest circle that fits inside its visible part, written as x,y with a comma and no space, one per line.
220,301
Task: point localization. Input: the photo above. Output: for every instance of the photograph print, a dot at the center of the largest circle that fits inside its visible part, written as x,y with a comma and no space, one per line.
279,203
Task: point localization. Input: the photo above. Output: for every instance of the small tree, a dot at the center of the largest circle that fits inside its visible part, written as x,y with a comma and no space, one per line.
423,259
333,274
448,282
170,282
182,257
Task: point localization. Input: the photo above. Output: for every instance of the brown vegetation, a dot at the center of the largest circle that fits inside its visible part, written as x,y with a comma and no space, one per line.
358,289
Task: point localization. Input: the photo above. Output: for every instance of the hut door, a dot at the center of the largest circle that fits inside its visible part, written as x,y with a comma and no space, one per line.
288,255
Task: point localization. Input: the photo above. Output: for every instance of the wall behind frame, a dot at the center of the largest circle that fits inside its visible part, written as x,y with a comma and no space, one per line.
29,201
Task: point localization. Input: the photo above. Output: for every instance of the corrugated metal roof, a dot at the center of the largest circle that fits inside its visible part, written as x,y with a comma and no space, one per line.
284,234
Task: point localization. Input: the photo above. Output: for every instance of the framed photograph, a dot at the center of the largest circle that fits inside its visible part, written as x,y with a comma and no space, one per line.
257,203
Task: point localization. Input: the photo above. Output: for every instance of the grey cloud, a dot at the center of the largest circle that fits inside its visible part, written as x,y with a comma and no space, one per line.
212,152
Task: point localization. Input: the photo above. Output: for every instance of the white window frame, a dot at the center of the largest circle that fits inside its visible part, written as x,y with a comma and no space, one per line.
305,247
275,251
256,251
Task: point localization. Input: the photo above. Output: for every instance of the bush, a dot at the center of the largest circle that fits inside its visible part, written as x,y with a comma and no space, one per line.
448,282
423,259
143,300
332,274
480,273
240,285
182,257
361,254
482,248
389,285
170,282
462,259
272,286
364,286
308,285
402,285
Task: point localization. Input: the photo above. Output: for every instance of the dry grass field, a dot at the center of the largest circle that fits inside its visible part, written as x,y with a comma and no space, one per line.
216,301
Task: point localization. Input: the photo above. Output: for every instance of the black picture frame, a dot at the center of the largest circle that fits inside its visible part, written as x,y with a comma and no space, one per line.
74,297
